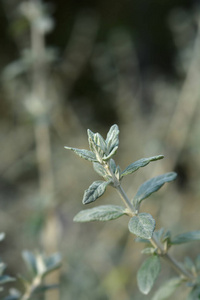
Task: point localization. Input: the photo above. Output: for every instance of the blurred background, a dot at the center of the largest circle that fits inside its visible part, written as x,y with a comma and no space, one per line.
71,65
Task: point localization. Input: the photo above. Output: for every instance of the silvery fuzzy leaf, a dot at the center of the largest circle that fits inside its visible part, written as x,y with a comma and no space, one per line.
100,213
86,154
100,170
142,225
167,289
152,185
186,237
148,274
96,190
112,139
140,163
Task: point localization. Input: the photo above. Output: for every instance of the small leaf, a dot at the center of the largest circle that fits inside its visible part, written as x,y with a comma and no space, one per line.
86,154
100,170
112,139
148,274
186,237
100,213
167,289
140,163
30,260
107,157
6,278
189,265
152,185
96,190
52,262
149,250
100,142
142,225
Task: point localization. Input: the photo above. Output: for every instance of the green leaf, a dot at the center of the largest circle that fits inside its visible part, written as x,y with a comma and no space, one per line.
5,279
142,225
112,139
52,262
140,163
30,261
96,190
86,154
148,250
100,213
167,289
152,185
186,237
194,294
100,170
148,274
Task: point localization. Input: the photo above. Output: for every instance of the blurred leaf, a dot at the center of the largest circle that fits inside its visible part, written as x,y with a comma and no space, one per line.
2,267
83,153
40,264
152,185
52,262
112,139
100,213
30,261
142,225
2,236
148,274
167,289
149,250
96,190
44,288
197,262
5,279
186,237
194,294
140,163
189,265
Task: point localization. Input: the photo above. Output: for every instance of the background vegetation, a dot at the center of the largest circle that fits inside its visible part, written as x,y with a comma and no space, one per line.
71,65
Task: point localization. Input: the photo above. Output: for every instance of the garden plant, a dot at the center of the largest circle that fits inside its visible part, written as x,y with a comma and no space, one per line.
158,241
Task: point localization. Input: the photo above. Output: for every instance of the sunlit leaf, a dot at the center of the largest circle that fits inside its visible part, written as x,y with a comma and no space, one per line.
148,274
96,190
100,213
140,163
142,225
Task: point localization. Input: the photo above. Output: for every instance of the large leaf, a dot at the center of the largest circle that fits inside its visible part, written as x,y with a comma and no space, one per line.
152,185
86,154
100,213
167,289
140,163
96,190
112,139
148,274
186,237
142,225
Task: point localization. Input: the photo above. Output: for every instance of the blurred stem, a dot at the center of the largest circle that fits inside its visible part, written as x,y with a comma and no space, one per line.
42,138
155,243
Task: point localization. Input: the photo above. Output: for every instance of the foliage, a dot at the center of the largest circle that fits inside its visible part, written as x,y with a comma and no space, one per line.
39,266
141,224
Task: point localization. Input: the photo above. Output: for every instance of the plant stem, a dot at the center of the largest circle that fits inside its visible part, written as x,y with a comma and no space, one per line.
155,243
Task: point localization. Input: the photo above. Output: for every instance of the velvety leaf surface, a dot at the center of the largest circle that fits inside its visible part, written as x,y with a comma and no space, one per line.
100,213
142,225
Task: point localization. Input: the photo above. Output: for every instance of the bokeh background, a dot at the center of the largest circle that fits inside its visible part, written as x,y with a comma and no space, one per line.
71,65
